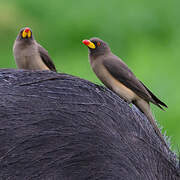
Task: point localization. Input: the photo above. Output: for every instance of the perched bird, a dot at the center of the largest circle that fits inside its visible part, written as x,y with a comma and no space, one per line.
116,75
29,54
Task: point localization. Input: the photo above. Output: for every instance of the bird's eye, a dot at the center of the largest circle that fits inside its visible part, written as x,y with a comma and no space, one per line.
98,43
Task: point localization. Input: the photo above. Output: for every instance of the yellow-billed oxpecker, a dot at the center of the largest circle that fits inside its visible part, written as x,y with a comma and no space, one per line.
29,54
116,75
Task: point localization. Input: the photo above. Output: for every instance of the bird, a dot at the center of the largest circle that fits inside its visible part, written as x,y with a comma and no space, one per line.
116,75
29,54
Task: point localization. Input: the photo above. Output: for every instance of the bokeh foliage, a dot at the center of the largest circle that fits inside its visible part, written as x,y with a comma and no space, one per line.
145,34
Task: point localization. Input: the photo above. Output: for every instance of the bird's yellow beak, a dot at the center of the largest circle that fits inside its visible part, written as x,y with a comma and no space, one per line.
89,44
26,33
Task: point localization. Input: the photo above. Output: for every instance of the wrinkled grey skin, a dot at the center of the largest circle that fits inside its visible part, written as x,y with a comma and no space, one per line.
59,127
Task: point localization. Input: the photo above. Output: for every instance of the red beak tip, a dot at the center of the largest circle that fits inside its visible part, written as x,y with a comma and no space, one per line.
27,30
86,42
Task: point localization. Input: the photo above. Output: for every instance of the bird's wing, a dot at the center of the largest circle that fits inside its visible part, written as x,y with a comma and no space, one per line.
119,70
46,58
154,97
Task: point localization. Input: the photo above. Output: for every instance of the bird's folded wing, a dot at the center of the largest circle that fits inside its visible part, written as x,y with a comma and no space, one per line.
119,70
46,58
155,98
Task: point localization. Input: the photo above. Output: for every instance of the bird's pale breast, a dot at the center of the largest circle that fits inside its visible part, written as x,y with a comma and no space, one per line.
109,81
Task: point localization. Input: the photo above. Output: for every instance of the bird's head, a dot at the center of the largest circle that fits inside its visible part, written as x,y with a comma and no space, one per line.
25,34
96,46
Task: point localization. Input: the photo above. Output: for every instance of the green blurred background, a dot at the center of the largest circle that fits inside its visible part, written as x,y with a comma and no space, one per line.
145,34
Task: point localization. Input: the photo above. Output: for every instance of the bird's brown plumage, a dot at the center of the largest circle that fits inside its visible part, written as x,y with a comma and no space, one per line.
46,58
122,73
29,54
116,75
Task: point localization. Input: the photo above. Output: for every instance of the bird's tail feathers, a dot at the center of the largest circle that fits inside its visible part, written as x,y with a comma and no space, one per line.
157,101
